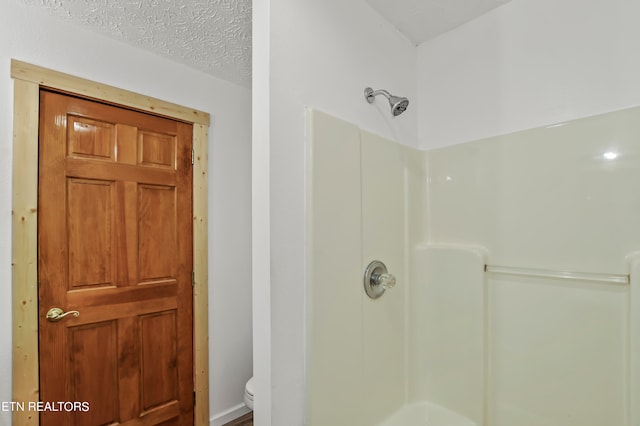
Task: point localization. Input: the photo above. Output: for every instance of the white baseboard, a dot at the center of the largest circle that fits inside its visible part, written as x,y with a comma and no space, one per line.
228,415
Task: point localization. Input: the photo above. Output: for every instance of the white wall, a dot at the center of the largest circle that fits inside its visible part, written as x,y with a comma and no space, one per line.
322,55
29,35
260,215
526,64
544,198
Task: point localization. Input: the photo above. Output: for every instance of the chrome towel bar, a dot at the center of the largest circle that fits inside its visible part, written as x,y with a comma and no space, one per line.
566,275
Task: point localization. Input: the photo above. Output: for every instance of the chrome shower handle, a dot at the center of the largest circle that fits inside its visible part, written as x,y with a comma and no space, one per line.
384,280
377,279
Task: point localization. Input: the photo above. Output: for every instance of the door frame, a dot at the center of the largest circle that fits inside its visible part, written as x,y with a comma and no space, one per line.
28,79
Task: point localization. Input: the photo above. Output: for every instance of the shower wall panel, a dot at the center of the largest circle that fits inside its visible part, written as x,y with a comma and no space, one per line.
383,226
447,329
334,300
558,352
356,365
560,197
565,198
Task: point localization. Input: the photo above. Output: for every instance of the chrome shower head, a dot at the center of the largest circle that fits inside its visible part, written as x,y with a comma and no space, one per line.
397,103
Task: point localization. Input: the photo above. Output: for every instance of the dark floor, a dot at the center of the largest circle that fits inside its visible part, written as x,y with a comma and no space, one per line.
246,420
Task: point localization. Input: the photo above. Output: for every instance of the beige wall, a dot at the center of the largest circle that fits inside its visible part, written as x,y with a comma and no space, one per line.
33,36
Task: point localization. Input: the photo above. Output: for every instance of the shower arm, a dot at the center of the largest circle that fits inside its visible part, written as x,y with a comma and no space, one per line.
371,94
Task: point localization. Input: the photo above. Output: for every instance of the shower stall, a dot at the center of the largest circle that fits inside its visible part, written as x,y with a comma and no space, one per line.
517,277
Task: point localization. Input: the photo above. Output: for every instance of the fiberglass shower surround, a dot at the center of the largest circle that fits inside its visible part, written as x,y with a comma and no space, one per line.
511,265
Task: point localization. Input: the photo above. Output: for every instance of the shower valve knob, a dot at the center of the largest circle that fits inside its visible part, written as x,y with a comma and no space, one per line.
385,281
377,279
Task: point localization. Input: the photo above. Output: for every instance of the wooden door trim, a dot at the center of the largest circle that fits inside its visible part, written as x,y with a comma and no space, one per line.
27,80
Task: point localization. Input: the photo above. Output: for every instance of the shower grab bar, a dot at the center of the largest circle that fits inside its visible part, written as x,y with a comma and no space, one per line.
546,273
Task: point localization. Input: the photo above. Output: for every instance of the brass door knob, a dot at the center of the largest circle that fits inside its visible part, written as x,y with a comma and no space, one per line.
56,314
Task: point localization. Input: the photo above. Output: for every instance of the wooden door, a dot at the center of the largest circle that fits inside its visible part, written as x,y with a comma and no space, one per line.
114,244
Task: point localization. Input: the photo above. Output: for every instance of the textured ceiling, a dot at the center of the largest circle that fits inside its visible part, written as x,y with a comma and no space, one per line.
213,36
422,20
